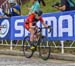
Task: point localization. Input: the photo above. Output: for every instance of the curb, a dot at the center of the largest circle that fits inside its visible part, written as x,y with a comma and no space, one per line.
68,57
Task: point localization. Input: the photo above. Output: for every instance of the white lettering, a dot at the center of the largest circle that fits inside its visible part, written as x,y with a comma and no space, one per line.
20,28
68,29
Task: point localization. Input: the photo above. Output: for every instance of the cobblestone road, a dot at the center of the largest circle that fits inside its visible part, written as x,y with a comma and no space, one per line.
22,61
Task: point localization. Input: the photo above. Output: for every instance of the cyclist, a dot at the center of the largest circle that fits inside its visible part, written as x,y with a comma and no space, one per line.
30,25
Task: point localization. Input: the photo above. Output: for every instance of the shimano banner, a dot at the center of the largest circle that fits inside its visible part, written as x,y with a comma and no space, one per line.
17,27
63,24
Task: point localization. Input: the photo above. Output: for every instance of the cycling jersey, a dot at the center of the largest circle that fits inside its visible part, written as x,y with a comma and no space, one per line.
31,20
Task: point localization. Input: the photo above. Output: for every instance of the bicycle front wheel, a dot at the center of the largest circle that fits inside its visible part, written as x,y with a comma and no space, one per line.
44,48
28,53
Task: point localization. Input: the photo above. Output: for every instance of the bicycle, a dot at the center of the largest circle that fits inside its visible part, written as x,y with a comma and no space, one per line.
42,46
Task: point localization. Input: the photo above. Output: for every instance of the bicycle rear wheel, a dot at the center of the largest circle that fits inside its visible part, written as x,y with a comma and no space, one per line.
28,53
44,48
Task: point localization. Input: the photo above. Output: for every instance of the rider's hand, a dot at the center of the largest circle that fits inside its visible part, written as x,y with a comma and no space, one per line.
49,26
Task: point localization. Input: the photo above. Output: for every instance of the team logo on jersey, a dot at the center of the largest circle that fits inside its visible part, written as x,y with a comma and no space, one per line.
4,28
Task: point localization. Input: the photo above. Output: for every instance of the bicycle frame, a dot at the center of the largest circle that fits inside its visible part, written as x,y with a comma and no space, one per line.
40,44
40,34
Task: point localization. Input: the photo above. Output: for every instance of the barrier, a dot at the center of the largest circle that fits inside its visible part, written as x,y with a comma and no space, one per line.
63,24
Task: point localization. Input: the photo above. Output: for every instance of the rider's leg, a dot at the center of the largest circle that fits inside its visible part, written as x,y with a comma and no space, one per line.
36,34
32,31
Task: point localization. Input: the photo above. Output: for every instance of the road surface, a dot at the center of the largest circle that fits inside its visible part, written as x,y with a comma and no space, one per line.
6,60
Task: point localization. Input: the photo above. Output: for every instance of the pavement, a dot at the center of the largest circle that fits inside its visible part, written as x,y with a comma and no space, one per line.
58,56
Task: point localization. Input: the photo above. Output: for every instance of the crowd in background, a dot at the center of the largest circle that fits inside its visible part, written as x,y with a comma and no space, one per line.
65,5
7,6
14,5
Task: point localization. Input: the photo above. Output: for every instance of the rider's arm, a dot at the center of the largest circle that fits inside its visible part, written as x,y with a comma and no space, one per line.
31,26
30,22
31,17
43,22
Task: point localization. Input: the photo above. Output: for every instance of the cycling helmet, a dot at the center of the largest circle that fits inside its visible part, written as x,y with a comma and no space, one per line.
38,12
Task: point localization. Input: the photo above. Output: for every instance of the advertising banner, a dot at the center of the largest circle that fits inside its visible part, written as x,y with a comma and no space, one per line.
63,24
5,29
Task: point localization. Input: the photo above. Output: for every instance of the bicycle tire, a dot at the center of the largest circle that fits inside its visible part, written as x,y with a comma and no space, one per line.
28,53
44,48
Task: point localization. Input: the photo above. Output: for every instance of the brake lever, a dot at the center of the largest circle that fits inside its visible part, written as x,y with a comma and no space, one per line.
50,29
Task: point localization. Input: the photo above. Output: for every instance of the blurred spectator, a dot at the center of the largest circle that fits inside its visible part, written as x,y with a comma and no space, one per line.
14,10
35,6
1,13
43,2
66,5
19,2
12,1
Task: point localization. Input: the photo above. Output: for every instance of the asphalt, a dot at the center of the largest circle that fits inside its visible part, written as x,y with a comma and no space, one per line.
68,57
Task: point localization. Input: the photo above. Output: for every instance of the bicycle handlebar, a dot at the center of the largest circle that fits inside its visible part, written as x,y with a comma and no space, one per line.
50,28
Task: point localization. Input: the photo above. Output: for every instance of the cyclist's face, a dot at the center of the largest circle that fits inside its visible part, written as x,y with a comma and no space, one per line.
36,16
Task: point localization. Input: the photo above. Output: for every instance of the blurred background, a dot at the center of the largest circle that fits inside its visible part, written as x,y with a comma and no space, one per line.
24,3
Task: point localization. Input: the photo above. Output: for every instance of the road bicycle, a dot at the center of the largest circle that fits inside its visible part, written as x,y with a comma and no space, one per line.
42,45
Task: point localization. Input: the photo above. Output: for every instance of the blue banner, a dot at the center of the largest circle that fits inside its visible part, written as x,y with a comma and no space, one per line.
17,27
5,29
63,24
